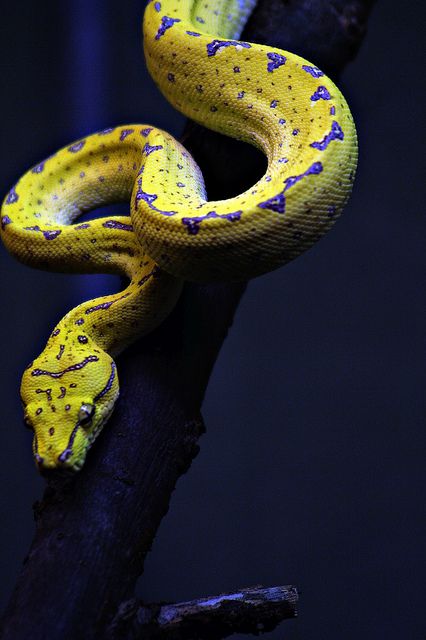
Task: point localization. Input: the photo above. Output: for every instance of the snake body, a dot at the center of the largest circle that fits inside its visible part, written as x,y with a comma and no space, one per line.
273,99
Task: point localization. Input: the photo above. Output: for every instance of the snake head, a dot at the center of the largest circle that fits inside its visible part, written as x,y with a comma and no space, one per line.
66,403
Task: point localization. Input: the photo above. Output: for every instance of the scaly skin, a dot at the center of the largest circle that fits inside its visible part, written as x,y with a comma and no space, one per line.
273,99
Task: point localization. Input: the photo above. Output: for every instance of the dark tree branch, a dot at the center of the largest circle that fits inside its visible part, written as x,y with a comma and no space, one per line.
254,610
85,558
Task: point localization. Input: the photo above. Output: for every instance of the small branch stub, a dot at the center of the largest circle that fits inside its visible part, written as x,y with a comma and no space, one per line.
254,610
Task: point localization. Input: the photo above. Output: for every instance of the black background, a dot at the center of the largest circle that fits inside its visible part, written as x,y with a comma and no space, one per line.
312,469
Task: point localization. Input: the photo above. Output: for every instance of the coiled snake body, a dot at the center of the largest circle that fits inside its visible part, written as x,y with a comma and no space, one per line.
270,98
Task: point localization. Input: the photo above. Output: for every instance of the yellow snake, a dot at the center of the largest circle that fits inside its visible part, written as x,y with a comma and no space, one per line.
273,99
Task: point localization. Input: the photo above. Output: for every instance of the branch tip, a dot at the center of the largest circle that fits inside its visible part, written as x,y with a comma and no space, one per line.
252,610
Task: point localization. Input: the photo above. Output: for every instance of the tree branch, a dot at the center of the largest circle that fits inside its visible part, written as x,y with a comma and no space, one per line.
85,559
254,610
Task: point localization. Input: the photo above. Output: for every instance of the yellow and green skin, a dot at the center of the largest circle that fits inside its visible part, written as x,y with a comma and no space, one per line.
271,98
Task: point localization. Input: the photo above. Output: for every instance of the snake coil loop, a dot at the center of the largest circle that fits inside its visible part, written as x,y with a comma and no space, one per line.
270,98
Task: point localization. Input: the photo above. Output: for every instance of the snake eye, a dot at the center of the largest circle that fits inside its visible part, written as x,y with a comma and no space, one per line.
86,413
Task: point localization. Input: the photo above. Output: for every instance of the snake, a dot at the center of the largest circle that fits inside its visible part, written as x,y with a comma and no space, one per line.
271,98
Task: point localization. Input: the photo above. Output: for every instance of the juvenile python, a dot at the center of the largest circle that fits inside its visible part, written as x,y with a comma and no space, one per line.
270,98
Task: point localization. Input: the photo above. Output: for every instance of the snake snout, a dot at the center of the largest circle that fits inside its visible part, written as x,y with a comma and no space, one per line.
52,462
56,455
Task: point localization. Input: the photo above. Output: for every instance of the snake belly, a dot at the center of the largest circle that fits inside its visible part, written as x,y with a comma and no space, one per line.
270,98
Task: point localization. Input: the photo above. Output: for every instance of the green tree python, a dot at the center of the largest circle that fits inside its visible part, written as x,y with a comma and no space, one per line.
267,97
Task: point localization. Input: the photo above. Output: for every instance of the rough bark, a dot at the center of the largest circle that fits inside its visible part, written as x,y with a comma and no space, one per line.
85,558
253,610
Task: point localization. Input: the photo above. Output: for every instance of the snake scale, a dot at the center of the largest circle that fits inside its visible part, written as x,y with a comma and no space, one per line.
270,98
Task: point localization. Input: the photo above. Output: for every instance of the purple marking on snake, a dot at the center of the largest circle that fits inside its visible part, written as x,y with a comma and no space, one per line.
314,71
171,77
157,6
48,234
48,393
295,132
145,132
321,93
166,23
336,133
332,110
79,321
150,198
276,61
37,456
241,94
114,224
84,225
104,132
331,211
200,20
51,235
105,305
77,146
281,121
12,196
148,149
273,104
65,454
215,45
124,133
63,457
38,411
38,168
62,394
193,33
61,351
314,169
193,224
59,374
108,385
276,203
5,220
180,184
150,275
55,333
83,339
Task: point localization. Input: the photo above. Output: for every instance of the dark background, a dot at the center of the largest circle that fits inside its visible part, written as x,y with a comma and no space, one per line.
312,469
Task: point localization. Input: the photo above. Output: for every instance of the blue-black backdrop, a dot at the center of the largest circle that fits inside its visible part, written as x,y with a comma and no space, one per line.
312,469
